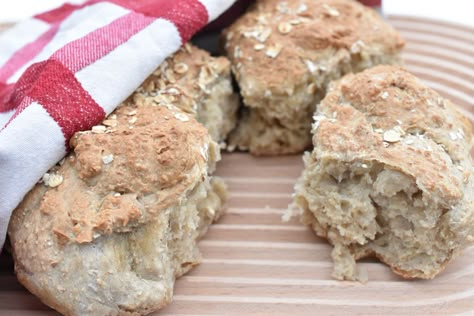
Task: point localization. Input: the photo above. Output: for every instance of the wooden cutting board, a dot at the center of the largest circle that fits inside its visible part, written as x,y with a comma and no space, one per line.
256,265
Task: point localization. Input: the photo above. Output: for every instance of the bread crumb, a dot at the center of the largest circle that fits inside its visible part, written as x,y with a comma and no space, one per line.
258,46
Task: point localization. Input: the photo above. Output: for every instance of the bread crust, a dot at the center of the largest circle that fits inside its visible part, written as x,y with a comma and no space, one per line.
283,56
390,174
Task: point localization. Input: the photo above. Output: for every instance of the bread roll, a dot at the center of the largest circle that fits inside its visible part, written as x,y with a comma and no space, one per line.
390,175
107,231
284,54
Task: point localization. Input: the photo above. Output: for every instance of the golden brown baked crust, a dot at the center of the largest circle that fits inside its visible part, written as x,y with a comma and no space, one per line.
107,231
284,53
390,174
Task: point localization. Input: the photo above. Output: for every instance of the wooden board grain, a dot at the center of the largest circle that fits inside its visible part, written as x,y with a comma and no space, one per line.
253,264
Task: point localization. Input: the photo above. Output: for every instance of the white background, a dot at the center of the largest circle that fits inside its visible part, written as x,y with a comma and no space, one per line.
458,11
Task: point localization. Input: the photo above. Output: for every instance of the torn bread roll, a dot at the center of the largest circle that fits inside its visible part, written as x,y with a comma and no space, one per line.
284,54
108,230
390,175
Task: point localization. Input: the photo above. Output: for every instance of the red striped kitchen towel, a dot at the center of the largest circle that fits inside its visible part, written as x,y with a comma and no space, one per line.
63,71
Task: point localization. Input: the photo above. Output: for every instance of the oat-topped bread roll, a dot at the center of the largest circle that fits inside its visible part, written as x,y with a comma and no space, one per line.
284,53
390,175
200,85
109,229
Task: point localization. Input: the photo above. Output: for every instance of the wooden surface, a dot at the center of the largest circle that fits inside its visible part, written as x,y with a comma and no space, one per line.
255,264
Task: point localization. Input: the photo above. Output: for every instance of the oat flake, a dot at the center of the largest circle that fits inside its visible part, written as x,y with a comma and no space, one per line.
111,123
302,8
273,51
52,180
331,10
98,129
311,89
107,159
391,136
284,28
181,68
453,136
181,117
264,35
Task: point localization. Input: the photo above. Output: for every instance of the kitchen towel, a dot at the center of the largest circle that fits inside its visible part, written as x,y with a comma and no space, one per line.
65,70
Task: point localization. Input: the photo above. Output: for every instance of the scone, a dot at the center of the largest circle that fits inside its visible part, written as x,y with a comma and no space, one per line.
198,84
284,54
390,175
107,231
